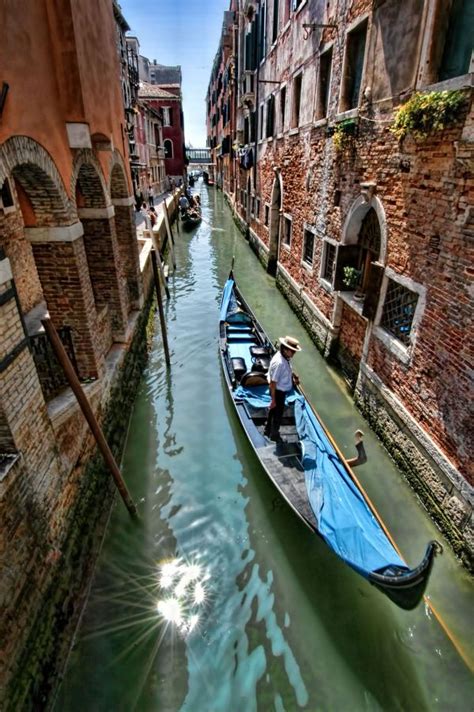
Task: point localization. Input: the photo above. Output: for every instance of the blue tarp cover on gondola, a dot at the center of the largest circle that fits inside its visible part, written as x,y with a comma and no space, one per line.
228,303
344,519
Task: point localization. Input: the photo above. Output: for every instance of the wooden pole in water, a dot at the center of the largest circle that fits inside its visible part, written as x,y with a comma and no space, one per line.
169,233
159,299
84,404
156,248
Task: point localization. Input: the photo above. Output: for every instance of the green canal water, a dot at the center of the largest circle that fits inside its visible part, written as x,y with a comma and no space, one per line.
220,600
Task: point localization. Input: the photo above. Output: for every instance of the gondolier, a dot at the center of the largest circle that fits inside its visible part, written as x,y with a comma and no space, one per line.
280,379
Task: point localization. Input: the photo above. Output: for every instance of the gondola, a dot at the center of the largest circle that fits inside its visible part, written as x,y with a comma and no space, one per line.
307,468
190,219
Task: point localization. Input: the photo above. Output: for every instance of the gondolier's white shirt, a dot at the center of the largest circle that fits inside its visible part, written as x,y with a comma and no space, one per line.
280,372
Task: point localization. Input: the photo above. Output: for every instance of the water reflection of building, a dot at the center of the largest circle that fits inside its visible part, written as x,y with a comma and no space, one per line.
365,234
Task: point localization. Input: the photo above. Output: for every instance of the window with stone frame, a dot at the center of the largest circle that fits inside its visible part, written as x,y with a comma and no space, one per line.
282,108
363,256
257,208
167,116
286,237
276,4
328,261
398,311
295,118
270,116
262,109
324,81
267,215
168,146
308,247
451,49
353,67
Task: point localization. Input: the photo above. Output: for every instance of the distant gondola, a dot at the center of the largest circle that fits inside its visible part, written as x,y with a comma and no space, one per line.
307,468
190,219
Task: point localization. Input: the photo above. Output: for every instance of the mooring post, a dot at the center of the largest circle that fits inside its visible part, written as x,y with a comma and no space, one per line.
169,233
159,299
156,248
84,404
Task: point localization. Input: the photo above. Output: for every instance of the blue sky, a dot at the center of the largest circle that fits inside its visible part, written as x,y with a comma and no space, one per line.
184,32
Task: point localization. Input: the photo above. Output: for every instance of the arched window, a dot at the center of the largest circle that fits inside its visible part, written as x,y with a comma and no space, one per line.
168,144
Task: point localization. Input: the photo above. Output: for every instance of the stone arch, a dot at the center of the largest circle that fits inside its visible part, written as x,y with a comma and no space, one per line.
97,216
357,212
43,197
276,207
88,185
46,250
118,183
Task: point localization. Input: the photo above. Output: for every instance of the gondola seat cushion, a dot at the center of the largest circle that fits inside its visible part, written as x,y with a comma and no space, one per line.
239,366
260,352
260,364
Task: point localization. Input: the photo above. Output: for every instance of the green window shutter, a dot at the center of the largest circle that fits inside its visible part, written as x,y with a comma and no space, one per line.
372,293
459,39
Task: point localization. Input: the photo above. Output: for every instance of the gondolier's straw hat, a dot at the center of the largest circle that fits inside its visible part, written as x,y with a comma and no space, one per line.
290,343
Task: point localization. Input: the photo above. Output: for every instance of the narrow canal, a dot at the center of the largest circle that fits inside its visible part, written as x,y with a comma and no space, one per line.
221,600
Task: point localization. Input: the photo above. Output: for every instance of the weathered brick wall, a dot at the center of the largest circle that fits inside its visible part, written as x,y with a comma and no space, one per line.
21,258
64,274
105,268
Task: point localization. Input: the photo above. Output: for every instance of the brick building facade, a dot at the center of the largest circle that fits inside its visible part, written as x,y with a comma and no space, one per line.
68,250
368,234
221,104
161,87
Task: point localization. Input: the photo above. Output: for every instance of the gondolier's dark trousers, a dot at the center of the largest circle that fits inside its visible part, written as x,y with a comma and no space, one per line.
272,428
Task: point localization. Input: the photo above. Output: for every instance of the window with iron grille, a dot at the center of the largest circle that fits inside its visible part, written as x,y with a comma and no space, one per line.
308,247
286,231
398,311
329,258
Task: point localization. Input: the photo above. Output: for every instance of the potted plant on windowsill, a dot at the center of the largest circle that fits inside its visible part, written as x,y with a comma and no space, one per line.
352,280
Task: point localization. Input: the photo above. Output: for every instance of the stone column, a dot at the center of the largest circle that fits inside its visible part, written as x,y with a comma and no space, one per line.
63,270
128,248
107,275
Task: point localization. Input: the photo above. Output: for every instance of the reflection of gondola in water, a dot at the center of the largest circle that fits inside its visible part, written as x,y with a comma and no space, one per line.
308,469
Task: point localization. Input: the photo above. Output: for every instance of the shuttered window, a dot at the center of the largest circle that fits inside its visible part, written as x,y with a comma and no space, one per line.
353,67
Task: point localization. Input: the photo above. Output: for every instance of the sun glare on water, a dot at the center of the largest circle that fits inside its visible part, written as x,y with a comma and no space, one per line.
183,594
